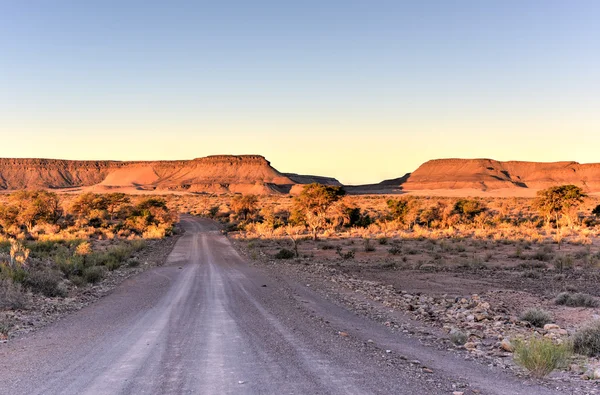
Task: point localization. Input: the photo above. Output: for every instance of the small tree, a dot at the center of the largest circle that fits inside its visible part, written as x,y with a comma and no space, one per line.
559,201
312,205
114,202
35,207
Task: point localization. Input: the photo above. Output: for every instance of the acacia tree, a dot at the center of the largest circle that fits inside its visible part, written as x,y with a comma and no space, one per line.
114,203
312,204
35,207
559,201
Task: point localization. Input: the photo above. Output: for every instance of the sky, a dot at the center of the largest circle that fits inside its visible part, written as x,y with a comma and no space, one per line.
358,90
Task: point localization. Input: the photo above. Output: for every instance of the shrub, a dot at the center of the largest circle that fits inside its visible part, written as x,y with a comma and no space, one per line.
133,262
563,262
284,253
12,295
586,341
576,300
368,246
6,325
46,282
93,274
458,337
382,240
395,250
536,317
345,255
541,356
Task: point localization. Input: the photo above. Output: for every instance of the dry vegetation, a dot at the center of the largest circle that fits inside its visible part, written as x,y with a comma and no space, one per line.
52,246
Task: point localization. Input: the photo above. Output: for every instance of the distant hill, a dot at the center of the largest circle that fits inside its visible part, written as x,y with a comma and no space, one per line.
512,178
213,174
254,174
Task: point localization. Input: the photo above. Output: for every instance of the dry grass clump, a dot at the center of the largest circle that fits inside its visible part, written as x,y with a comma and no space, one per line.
586,341
541,356
12,295
577,299
536,317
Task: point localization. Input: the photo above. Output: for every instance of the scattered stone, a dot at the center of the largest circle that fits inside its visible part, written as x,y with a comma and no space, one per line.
343,334
427,370
549,327
506,345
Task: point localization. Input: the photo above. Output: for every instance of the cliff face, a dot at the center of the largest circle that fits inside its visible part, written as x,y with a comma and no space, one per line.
487,174
214,174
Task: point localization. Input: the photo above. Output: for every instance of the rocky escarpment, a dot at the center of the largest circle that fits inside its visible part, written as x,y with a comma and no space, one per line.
488,174
213,174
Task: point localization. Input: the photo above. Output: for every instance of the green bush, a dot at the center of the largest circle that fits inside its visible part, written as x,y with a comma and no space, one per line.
93,274
586,340
576,300
540,356
47,282
536,317
284,253
458,337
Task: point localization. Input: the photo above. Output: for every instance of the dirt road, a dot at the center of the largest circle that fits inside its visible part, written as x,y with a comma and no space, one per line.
207,323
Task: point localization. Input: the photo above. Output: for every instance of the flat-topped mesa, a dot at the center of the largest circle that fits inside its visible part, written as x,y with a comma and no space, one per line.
489,174
214,174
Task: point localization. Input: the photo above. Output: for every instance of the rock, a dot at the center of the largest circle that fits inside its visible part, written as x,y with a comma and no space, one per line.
458,393
575,368
344,334
480,317
549,327
506,345
470,346
427,370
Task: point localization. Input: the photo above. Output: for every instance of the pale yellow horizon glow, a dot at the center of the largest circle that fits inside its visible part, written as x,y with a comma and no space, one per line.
355,152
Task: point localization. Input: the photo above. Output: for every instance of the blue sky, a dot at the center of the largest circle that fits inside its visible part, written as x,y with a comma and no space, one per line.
358,90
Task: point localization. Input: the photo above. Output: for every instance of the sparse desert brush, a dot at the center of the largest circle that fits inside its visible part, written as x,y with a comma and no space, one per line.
7,323
563,262
368,246
541,356
284,253
536,317
47,282
586,340
92,274
576,300
154,232
12,295
581,240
